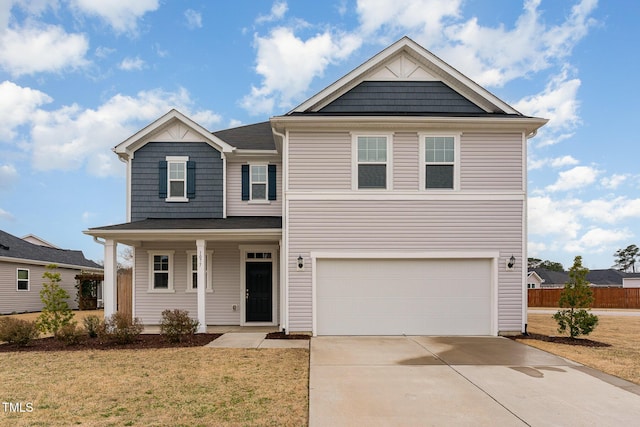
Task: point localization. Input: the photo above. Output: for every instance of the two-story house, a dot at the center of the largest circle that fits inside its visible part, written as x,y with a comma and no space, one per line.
392,202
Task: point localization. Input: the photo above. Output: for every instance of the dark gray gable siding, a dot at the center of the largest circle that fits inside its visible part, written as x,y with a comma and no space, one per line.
145,202
402,97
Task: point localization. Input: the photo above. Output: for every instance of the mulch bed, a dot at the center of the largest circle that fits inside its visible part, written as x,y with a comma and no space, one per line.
143,342
283,336
561,340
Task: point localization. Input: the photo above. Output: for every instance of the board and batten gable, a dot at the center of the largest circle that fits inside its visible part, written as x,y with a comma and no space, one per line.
145,175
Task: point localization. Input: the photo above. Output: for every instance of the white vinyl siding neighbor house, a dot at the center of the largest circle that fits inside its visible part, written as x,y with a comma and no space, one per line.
389,203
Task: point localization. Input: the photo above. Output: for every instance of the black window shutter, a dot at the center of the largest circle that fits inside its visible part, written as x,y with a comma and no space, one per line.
272,182
245,182
162,179
191,179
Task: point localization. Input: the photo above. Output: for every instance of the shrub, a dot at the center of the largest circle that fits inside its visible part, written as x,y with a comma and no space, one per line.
17,331
176,325
92,325
120,329
70,333
56,312
575,297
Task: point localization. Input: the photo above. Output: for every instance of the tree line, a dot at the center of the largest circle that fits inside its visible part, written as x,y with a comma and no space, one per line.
624,260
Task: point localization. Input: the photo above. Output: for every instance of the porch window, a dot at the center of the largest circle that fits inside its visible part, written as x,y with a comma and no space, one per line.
192,277
161,271
22,279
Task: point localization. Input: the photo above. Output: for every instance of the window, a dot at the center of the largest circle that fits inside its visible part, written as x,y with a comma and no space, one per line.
177,179
192,278
161,271
259,182
22,279
372,156
439,168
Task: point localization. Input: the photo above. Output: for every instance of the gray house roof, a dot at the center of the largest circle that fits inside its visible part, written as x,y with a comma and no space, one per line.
606,277
257,136
14,247
229,223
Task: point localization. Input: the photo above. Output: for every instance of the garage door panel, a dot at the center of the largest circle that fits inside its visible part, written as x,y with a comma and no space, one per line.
412,297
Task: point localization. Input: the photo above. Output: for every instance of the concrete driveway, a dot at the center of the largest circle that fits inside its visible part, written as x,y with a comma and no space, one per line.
437,381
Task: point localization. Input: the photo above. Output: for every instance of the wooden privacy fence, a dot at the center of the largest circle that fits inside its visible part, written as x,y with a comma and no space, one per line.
602,297
124,293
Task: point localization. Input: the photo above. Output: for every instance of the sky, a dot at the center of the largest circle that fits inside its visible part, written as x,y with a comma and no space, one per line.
77,77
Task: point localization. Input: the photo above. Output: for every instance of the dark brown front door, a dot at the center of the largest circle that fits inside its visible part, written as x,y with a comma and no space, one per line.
259,301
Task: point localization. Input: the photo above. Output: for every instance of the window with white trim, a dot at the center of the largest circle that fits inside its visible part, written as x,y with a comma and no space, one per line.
439,156
22,279
161,271
177,178
192,278
372,154
259,182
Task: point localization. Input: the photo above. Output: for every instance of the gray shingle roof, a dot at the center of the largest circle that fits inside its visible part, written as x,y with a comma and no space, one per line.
250,137
606,277
230,223
14,247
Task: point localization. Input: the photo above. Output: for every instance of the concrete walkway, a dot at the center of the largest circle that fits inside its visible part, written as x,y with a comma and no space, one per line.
459,381
254,340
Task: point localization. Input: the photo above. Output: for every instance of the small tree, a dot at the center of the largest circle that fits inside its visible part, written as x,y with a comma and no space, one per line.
625,259
56,312
575,297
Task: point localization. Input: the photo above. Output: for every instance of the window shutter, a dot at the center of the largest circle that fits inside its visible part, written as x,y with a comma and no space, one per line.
162,179
272,182
191,179
245,182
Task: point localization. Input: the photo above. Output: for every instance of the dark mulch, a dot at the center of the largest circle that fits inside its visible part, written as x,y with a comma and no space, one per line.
143,342
562,340
283,336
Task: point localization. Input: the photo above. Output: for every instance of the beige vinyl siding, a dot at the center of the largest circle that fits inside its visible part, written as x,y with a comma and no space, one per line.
491,161
219,303
12,300
238,207
420,226
320,161
406,171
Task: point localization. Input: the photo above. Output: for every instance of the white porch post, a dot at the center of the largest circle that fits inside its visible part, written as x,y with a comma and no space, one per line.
110,287
201,247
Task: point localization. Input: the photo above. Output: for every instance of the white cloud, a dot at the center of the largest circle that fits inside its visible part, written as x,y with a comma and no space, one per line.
551,217
17,107
611,211
72,137
556,162
597,240
194,19
6,215
612,182
536,248
8,175
288,64
278,11
41,48
121,15
575,178
131,64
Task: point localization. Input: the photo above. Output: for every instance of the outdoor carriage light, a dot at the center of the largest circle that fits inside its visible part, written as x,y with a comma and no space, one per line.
300,263
511,263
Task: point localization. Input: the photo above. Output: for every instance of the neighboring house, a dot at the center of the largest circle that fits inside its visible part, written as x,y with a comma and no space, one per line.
22,264
607,278
534,281
392,202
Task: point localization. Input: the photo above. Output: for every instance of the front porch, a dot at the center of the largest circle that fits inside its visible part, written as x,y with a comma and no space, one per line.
225,272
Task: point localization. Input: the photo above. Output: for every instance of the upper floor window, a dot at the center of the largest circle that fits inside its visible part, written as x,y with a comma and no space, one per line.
259,182
439,155
161,271
22,279
177,179
373,169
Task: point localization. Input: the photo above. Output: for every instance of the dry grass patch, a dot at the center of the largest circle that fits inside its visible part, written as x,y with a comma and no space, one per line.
178,386
622,359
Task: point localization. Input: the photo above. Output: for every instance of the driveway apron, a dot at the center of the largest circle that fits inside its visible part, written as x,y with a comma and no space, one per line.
480,381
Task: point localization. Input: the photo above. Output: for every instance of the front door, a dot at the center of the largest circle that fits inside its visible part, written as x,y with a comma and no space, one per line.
258,296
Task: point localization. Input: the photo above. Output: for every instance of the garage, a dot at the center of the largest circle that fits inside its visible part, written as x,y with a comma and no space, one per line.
403,296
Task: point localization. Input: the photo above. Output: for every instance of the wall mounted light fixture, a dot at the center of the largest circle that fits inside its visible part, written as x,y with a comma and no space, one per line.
511,262
300,263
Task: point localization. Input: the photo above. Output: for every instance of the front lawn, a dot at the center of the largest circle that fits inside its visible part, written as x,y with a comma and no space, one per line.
621,359
171,386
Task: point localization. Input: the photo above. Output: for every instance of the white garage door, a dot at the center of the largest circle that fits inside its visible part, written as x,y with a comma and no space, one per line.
411,297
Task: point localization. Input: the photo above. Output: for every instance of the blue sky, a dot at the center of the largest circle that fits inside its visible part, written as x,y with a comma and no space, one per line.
79,76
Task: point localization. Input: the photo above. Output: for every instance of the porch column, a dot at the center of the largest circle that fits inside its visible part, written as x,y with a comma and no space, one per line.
201,247
110,287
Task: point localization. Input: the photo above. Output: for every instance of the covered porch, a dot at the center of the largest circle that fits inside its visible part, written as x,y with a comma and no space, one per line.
225,272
